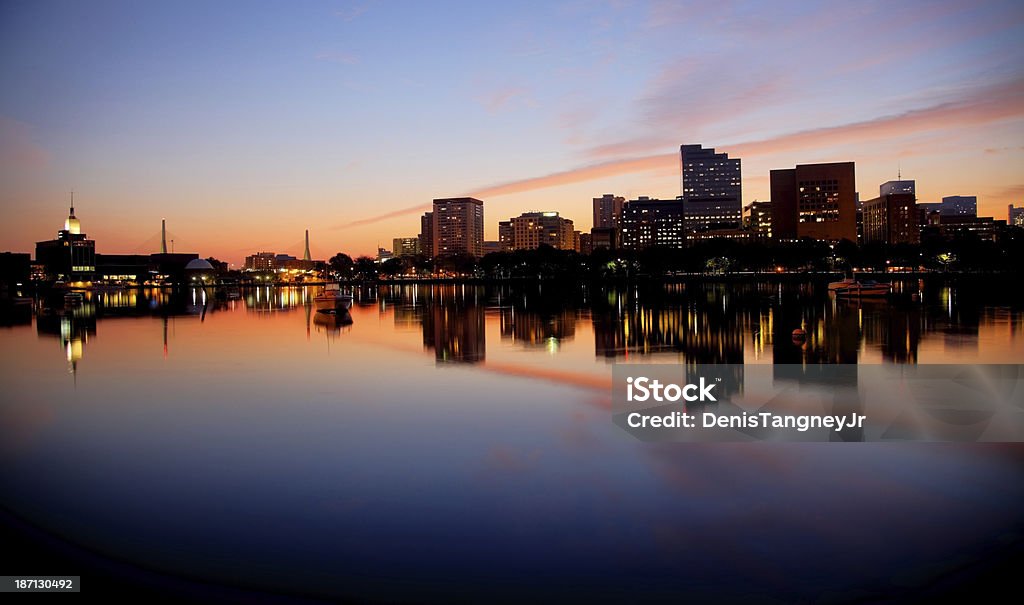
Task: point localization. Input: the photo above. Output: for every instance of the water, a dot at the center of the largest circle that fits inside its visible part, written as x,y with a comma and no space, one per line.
456,442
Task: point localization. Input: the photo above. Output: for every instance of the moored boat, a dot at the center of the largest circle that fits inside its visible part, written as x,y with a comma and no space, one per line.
854,287
333,296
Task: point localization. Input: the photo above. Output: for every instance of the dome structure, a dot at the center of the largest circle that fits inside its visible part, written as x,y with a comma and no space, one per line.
199,264
72,224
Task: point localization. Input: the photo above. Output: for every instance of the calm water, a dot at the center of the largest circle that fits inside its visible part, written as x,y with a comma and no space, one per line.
456,442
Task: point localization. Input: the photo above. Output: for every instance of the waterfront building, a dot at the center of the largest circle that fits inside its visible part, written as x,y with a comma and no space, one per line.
71,256
261,261
1015,216
959,205
530,230
759,218
892,218
816,201
956,227
506,236
492,246
458,226
604,238
650,222
405,246
426,236
712,191
15,269
607,210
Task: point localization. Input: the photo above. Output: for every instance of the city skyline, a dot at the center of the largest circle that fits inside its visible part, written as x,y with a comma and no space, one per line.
278,119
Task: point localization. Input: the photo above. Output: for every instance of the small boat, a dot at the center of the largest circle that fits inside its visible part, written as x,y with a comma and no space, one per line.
332,318
73,298
333,295
853,287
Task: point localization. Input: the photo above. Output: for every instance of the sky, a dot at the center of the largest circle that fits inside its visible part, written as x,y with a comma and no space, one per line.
245,123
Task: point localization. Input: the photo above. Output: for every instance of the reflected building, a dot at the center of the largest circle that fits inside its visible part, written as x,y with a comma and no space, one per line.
895,331
455,332
538,329
73,328
705,326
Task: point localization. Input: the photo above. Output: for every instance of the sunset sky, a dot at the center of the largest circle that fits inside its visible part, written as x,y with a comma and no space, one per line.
244,123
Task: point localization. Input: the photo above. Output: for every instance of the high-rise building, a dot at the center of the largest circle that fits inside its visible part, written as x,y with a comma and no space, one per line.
71,255
759,218
712,191
458,226
959,205
891,218
532,229
427,234
646,222
894,187
1015,216
261,261
607,210
816,201
506,236
405,246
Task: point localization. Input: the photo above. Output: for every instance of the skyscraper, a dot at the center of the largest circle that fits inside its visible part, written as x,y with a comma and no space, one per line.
607,210
531,229
815,201
891,218
712,190
1015,216
427,234
458,226
405,246
646,223
959,205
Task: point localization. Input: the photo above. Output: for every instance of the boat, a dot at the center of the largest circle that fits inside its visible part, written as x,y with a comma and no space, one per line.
333,296
333,318
854,287
72,299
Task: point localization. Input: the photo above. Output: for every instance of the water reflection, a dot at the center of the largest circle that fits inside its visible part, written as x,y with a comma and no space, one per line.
696,323
452,432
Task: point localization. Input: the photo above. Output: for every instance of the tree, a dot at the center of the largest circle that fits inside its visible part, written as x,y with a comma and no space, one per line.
392,267
366,268
342,265
219,267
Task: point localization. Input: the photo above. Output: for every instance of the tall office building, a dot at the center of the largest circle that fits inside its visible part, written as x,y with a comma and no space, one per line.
71,255
959,205
646,223
607,210
891,218
405,246
759,218
712,190
427,234
1015,216
894,187
458,226
531,229
816,201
